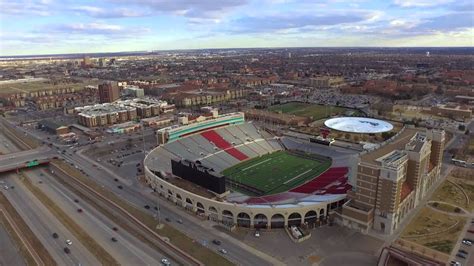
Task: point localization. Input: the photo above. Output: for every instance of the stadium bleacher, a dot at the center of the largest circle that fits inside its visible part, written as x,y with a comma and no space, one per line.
332,181
221,143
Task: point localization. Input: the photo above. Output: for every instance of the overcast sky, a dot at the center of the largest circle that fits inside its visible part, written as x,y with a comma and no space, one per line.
82,26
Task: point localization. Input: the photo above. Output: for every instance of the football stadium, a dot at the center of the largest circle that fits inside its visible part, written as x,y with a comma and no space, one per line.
230,171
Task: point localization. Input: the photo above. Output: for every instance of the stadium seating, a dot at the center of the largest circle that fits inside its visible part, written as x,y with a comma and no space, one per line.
272,198
333,181
221,143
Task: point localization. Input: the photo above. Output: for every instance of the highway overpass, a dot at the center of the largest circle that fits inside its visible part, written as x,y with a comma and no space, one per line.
25,159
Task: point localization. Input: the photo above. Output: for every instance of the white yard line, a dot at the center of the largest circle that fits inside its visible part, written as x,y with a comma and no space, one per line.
252,166
288,181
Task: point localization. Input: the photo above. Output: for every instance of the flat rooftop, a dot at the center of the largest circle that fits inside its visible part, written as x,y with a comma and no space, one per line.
398,144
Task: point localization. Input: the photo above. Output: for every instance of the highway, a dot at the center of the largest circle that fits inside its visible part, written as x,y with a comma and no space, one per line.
10,255
43,223
17,160
127,250
139,195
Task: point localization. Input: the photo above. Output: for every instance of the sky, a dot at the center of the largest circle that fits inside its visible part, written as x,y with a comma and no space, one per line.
81,26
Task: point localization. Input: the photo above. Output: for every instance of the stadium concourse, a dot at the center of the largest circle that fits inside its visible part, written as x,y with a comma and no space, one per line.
277,179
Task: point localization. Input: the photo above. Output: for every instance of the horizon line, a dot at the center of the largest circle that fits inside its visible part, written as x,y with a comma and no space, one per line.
235,48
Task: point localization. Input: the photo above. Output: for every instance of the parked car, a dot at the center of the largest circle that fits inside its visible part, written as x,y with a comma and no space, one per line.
466,242
460,255
257,233
463,251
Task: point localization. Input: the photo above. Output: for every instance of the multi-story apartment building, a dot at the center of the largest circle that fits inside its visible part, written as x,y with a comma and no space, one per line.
392,180
108,92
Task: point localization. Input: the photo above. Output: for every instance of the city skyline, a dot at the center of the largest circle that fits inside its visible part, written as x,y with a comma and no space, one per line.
52,27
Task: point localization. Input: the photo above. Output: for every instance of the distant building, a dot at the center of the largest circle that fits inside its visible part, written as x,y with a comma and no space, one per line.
134,92
53,127
86,61
108,92
120,111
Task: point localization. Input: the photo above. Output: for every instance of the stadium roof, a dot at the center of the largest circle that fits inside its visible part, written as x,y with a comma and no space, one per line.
358,125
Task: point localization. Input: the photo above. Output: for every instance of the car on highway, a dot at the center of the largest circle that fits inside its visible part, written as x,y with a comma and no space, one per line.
165,261
69,242
223,251
179,221
167,219
5,187
79,210
115,228
216,242
113,239
55,235
67,250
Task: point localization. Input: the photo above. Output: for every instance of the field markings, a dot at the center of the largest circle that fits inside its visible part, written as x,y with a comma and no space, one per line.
288,181
252,166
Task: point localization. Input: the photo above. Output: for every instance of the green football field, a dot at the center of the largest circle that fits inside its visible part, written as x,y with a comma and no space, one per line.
313,111
276,172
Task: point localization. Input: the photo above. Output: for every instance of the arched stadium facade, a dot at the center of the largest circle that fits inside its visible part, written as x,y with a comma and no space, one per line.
307,202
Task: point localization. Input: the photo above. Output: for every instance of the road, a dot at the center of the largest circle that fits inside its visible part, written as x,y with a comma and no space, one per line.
128,250
43,224
139,195
9,253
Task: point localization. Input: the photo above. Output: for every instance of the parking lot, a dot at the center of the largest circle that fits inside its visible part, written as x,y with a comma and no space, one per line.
466,247
328,245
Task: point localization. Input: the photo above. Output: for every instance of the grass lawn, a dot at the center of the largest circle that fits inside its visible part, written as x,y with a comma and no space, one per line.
313,111
449,193
276,172
424,227
26,87
468,187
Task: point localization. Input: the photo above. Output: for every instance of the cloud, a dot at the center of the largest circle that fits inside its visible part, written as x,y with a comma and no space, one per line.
189,8
99,12
25,7
95,29
448,22
293,22
421,3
